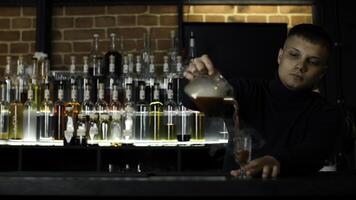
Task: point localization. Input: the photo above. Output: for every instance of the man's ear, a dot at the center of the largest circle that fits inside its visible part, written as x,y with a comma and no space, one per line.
280,53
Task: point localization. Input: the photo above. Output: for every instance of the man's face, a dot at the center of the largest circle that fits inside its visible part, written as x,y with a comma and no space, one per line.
301,63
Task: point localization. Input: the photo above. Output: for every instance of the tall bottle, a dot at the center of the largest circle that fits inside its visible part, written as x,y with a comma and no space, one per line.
30,117
45,120
192,51
111,80
128,128
116,115
177,83
126,76
167,77
145,53
87,79
156,114
16,118
35,83
87,110
173,51
8,78
170,115
72,109
101,107
73,80
4,114
59,115
22,79
117,57
96,66
152,78
139,77
47,81
141,127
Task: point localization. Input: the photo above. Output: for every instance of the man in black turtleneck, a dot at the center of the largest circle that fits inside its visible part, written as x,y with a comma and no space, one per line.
299,128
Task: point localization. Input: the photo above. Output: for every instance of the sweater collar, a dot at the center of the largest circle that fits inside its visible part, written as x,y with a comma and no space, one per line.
281,92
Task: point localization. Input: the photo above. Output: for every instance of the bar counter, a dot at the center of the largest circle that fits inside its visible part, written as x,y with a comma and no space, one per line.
99,185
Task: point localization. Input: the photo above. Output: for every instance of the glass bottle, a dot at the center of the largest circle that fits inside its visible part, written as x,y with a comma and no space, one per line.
155,115
141,127
152,78
128,118
177,82
30,117
96,66
192,51
72,109
170,115
116,116
16,118
4,114
116,56
146,51
87,79
45,121
87,110
35,83
22,79
173,51
111,79
101,107
8,78
59,115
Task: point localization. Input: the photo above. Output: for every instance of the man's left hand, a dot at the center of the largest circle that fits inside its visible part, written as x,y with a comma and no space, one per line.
269,166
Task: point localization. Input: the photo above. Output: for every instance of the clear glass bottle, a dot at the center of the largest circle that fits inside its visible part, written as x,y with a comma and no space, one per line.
59,115
87,79
128,129
177,83
101,107
156,115
96,66
141,127
170,115
8,78
72,110
22,79
4,114
30,117
45,120
152,78
116,116
192,51
87,110
111,80
16,118
116,56
146,51
173,51
35,83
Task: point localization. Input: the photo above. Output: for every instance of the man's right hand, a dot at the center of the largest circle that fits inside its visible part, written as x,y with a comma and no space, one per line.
198,66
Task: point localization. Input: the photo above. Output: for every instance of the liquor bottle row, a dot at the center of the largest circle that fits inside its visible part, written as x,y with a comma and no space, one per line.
75,122
37,104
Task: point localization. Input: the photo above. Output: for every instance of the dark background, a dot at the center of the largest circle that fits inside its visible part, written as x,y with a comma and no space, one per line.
239,50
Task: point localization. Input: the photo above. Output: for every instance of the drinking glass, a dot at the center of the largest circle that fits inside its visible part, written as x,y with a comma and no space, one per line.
242,152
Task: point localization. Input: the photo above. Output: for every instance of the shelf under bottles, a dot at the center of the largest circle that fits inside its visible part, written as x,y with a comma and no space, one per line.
138,143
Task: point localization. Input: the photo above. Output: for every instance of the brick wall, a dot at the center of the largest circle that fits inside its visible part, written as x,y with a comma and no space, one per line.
74,26
17,32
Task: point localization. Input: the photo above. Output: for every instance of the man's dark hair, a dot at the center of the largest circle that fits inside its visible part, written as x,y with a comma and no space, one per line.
312,33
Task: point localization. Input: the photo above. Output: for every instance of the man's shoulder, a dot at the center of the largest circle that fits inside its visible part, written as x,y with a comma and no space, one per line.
326,109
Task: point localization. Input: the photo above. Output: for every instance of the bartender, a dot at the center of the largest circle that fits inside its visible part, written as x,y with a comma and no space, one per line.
298,127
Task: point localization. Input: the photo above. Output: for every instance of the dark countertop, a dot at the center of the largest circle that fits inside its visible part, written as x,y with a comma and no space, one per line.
106,184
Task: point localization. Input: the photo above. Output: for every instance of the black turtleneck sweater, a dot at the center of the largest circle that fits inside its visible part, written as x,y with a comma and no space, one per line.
298,128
